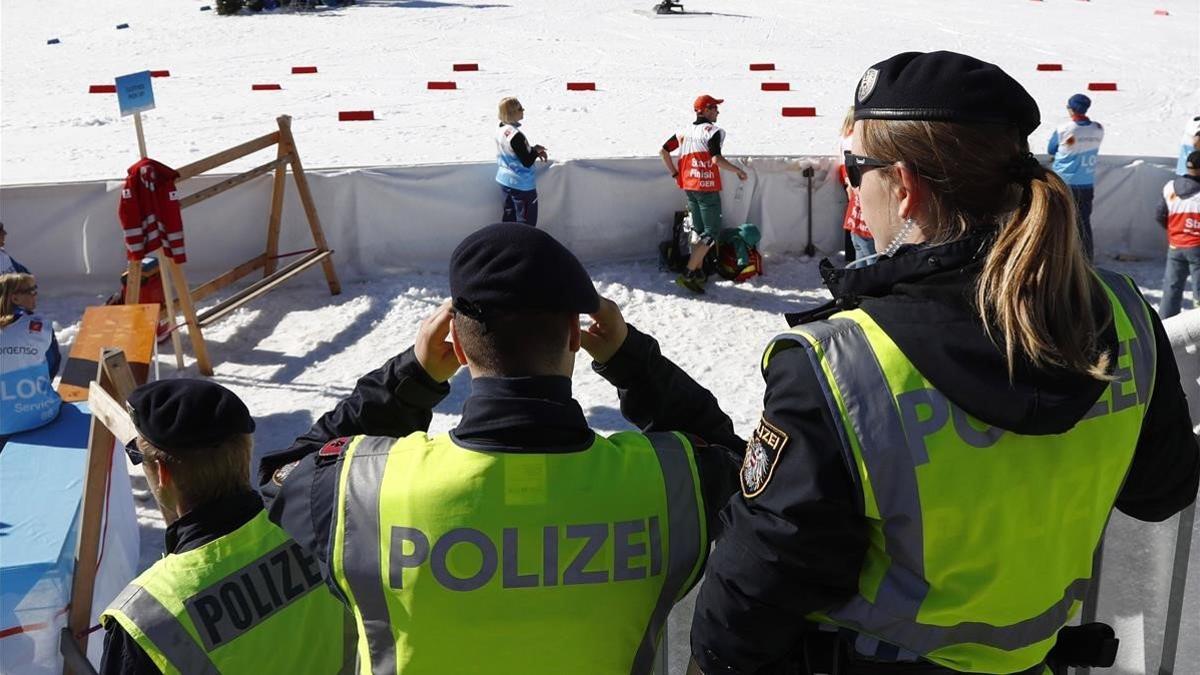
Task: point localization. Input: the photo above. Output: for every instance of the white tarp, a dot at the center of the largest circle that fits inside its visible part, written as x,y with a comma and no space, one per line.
385,218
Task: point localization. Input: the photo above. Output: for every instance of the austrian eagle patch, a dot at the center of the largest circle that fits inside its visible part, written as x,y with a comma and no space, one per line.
762,454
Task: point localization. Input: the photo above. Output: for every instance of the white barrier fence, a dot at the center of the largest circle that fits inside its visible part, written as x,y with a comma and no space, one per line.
379,219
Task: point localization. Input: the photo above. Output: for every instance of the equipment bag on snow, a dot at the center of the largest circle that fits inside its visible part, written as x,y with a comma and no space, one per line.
673,253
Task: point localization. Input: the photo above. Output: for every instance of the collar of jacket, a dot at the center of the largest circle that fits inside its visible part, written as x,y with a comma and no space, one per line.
910,263
522,414
212,520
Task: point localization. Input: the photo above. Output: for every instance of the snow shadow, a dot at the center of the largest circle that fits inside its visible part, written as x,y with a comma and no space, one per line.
245,341
276,432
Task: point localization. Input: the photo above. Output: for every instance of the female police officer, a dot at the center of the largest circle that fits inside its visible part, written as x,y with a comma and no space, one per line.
942,444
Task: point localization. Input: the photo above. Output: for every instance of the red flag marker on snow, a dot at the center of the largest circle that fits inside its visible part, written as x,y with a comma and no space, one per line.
776,86
1102,86
442,85
356,115
1049,66
160,73
466,67
800,112
581,86
762,66
265,87
102,89
303,70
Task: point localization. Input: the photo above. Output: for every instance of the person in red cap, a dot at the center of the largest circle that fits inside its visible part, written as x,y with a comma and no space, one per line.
699,175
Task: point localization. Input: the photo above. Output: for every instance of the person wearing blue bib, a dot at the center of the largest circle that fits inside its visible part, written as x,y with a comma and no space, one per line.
29,358
515,159
1075,145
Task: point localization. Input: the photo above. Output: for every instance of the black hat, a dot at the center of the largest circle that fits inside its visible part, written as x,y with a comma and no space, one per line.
509,267
184,414
944,87
1193,160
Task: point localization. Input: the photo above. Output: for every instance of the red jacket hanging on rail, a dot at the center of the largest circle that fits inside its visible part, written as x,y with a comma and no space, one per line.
150,213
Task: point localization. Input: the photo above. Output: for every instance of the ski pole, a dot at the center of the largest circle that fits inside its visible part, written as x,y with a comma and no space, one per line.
809,249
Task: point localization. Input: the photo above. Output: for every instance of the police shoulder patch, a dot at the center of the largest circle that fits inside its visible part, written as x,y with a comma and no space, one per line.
334,448
762,454
283,472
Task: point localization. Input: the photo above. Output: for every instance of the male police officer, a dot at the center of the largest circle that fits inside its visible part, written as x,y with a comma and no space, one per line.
522,541
233,587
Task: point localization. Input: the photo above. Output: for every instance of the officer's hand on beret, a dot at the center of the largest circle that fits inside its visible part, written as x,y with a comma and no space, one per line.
434,352
607,333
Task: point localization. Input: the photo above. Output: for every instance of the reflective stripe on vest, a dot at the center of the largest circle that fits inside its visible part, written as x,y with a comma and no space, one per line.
219,607
383,563
899,435
164,630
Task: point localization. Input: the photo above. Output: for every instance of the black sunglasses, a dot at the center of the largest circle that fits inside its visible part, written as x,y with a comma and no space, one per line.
135,454
857,165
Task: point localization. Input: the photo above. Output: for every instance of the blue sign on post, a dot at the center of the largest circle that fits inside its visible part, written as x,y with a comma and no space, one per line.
135,93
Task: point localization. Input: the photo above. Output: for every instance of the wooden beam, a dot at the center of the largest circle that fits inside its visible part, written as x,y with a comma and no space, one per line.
260,287
189,315
111,413
310,208
276,213
230,183
226,156
113,361
169,311
95,482
217,283
133,282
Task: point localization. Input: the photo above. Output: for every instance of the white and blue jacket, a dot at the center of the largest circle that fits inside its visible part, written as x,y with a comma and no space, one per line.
512,171
1075,145
1185,146
27,400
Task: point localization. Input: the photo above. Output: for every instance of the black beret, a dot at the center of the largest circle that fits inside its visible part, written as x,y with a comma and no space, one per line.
508,267
183,414
944,87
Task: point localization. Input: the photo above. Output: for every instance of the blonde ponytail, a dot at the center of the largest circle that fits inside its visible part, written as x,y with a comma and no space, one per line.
1037,287
1037,290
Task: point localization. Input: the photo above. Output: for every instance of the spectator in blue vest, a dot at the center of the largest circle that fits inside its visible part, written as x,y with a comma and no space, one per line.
515,171
7,264
1189,144
1075,144
29,359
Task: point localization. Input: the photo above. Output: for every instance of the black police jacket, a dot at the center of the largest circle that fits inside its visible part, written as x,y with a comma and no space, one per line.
798,545
524,414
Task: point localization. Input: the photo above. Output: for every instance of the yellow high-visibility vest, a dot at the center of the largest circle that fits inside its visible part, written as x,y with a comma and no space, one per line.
462,561
249,602
981,540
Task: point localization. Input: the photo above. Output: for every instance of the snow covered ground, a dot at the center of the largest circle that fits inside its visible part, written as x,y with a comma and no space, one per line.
379,54
292,356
